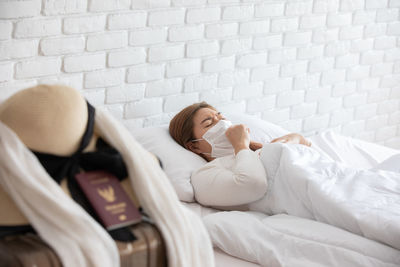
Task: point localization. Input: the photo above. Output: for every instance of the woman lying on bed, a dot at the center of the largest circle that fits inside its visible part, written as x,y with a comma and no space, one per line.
286,176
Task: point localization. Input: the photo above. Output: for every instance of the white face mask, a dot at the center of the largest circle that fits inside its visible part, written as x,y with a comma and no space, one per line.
215,136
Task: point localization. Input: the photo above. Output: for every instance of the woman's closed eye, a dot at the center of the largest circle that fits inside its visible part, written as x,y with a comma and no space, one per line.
213,123
210,121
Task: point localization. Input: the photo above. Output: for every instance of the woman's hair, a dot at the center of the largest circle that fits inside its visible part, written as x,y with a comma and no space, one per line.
181,125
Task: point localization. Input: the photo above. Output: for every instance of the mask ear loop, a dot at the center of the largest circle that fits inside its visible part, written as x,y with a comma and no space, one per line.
201,139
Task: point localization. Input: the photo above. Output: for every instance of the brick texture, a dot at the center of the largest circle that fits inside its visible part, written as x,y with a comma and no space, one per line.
306,65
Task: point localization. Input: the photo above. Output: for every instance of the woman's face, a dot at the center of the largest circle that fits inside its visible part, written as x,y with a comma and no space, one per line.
203,120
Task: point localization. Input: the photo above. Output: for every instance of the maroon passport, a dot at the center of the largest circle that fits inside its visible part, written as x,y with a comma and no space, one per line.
109,200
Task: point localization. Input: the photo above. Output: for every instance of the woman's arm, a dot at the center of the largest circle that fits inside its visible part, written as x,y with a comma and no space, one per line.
293,138
230,181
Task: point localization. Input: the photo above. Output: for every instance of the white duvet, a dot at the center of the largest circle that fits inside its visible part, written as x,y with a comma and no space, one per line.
304,183
350,215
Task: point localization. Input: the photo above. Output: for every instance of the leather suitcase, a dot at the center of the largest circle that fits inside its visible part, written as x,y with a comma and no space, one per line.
147,251
30,250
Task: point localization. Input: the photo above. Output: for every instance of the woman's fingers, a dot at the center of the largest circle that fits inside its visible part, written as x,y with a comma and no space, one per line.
289,138
238,135
255,145
292,139
307,142
280,140
274,140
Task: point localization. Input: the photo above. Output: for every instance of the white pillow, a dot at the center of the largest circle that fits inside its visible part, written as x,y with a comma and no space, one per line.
179,163
260,130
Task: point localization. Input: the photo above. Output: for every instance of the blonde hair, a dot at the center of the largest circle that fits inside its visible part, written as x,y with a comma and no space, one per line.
181,125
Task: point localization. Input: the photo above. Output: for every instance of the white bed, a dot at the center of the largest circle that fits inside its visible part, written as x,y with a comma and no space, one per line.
300,242
222,259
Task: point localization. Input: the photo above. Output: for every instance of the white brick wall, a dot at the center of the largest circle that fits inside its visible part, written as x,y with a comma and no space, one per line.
199,15
284,24
252,60
15,49
125,93
265,73
183,67
87,62
254,27
129,20
249,91
5,30
165,53
143,73
145,107
290,98
342,116
177,102
216,96
62,46
186,33
37,67
100,5
270,9
37,28
127,57
103,78
238,12
219,64
234,46
231,78
165,87
200,83
84,24
6,71
166,17
147,36
58,7
105,41
221,30
267,42
19,9
307,65
201,49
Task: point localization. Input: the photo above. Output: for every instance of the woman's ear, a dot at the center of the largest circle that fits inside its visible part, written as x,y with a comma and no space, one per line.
192,146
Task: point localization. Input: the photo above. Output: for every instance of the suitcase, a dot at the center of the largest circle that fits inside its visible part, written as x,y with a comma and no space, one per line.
30,250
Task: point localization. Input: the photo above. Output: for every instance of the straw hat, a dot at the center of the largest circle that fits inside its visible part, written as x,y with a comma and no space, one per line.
47,119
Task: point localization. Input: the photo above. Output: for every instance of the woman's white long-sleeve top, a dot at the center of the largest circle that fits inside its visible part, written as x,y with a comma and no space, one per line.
230,181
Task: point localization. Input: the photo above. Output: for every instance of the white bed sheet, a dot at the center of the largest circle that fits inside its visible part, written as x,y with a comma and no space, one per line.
353,152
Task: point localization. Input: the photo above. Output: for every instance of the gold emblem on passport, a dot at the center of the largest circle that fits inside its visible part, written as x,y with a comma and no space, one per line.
107,194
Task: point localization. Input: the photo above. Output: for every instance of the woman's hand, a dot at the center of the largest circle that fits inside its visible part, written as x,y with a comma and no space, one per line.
255,145
239,137
292,138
